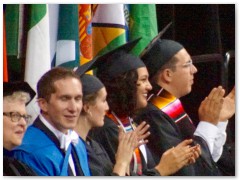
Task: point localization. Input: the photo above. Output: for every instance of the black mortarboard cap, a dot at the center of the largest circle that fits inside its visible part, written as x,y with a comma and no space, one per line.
10,87
114,62
159,53
86,67
90,84
119,61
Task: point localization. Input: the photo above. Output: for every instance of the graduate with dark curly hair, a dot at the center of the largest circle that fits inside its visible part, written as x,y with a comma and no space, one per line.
126,80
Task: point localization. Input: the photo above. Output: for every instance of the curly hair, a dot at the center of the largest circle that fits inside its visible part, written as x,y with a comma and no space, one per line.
121,92
18,96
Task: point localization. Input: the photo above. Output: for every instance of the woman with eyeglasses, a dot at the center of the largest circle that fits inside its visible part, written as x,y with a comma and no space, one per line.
15,118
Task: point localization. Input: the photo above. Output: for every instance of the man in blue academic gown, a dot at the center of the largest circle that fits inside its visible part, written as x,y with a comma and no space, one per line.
50,147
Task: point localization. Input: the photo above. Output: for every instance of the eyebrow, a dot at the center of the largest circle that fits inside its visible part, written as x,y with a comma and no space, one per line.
143,76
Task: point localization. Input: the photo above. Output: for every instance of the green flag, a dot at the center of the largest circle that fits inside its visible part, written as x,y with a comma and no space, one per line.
12,25
67,50
143,23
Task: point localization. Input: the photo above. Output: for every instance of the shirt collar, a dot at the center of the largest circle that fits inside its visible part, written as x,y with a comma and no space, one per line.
64,139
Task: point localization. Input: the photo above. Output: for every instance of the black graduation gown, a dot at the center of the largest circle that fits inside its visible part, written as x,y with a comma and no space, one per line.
13,167
165,134
107,136
99,162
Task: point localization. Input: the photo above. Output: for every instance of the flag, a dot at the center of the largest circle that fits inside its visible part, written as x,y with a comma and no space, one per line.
5,67
12,27
143,23
67,47
38,50
85,32
108,27
53,10
15,39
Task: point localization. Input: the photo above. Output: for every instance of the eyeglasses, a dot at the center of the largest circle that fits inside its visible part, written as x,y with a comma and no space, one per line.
188,64
16,116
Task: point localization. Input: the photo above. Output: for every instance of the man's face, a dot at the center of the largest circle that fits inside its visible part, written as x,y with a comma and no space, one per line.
64,106
13,132
183,77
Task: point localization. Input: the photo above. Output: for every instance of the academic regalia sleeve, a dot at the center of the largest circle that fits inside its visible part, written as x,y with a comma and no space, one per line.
107,136
13,167
99,162
168,135
164,135
35,145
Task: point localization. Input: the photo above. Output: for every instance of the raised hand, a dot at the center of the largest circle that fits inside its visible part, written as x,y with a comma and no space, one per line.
228,109
142,133
211,107
126,146
177,157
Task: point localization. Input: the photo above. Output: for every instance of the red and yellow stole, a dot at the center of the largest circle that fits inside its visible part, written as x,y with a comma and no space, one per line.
172,106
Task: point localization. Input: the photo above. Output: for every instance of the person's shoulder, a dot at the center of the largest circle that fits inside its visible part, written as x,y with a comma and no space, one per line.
35,141
109,123
14,167
109,128
150,109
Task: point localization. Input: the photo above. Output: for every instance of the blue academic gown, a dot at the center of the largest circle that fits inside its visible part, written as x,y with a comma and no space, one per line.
41,151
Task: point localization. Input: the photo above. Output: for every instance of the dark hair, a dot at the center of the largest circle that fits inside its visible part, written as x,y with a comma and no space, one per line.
121,92
45,86
169,64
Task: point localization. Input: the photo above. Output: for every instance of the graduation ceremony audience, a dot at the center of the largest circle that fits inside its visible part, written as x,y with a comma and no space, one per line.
127,89
92,115
118,123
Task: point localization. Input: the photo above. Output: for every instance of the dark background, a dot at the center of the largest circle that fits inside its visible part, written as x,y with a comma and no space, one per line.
207,31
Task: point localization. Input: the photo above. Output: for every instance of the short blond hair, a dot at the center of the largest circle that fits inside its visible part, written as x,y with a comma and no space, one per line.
18,96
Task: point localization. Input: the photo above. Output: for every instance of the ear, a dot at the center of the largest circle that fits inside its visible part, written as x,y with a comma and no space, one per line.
167,75
43,104
85,108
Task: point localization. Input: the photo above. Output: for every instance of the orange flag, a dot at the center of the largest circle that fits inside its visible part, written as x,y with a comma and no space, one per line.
85,32
5,69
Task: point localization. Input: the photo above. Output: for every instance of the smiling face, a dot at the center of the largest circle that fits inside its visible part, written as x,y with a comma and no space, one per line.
143,87
63,108
13,132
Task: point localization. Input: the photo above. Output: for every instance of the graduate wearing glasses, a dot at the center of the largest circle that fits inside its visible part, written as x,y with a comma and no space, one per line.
125,78
15,118
171,73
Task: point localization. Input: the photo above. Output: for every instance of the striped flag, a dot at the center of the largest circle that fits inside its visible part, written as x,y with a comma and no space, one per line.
85,32
109,27
38,50
5,67
67,47
143,23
